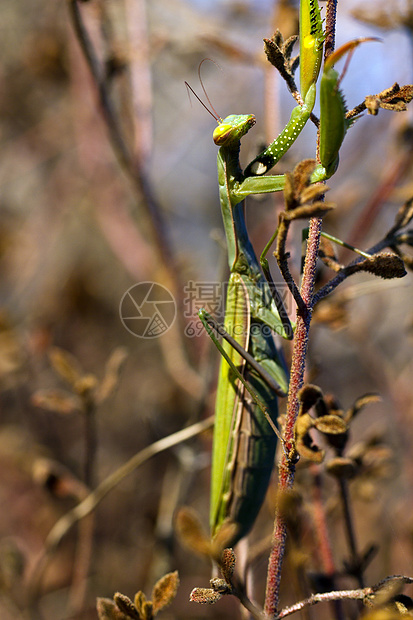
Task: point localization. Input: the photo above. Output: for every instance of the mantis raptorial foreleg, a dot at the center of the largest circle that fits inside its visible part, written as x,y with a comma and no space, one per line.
210,323
311,49
333,121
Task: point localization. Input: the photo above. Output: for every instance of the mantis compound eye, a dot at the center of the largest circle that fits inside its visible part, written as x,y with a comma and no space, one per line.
222,134
232,128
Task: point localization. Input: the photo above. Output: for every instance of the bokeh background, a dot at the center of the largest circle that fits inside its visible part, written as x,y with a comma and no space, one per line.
78,229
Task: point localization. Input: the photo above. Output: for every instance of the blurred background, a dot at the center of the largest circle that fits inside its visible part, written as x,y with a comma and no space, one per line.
87,213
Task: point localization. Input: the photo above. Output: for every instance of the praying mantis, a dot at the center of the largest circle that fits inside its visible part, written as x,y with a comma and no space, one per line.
252,373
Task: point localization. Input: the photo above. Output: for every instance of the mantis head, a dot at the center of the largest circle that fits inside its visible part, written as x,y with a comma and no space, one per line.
231,129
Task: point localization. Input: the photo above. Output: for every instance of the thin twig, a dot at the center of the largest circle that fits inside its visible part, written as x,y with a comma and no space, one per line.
90,444
65,523
361,594
132,164
322,536
350,533
129,164
346,271
392,175
81,564
281,256
335,595
276,296
238,590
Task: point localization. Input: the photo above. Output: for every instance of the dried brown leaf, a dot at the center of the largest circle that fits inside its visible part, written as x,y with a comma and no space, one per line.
224,538
322,406
310,451
191,531
86,386
140,601
331,425
313,192
303,424
407,260
332,313
308,395
289,503
342,467
386,265
57,479
108,610
275,55
111,378
56,400
289,192
164,591
147,611
304,443
66,365
289,46
318,209
360,403
126,606
398,97
388,589
302,173
394,98
278,54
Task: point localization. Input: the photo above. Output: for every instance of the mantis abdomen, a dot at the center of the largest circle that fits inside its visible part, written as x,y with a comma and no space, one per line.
244,442
252,461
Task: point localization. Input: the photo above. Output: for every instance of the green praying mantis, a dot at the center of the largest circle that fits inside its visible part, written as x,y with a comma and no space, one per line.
252,373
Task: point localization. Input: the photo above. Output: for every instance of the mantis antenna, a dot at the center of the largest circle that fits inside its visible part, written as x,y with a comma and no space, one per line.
211,111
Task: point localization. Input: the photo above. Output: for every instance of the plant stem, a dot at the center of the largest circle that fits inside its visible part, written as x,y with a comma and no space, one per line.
287,466
330,40
350,533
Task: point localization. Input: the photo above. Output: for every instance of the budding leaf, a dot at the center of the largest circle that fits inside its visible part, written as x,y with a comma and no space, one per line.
204,595
165,591
126,606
